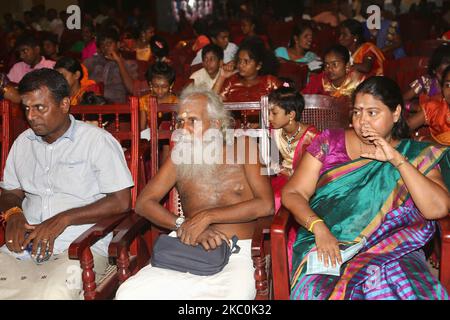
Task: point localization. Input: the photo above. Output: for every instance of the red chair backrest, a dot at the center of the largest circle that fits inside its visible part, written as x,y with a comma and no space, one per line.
142,67
325,112
298,72
235,29
280,33
414,28
324,36
125,128
180,57
181,82
13,123
422,48
5,113
405,70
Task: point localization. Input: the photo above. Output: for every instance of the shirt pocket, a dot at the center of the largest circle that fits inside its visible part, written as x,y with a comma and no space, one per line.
71,164
73,176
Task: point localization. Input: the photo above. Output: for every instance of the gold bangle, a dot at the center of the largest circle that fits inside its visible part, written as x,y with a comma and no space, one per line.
313,223
401,162
309,219
8,213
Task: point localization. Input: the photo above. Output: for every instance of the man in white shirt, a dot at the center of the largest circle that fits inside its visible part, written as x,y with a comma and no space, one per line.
220,36
212,57
61,177
56,25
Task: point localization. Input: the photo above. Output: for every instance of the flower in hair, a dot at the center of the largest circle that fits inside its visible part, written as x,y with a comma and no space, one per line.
286,85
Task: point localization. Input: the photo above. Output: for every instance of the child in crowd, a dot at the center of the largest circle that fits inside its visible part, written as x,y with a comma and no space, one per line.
212,57
160,77
292,137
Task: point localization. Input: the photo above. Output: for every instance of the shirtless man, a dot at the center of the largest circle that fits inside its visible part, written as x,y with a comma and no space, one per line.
219,201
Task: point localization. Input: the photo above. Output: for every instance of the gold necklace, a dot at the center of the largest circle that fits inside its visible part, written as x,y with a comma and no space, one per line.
291,138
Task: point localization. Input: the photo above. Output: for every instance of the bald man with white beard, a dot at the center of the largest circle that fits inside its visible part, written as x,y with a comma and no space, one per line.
219,201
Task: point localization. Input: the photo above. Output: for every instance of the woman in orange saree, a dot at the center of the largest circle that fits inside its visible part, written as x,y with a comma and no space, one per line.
76,75
367,58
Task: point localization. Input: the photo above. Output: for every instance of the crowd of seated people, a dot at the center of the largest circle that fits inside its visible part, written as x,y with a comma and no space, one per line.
112,60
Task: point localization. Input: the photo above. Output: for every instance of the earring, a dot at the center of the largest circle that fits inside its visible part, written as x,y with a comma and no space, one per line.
290,121
354,40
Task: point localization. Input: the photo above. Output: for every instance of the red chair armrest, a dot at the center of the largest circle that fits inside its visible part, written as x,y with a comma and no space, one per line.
2,235
262,228
444,270
126,232
93,234
444,225
260,249
280,268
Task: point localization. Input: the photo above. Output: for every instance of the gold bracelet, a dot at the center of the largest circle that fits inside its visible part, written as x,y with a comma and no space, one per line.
309,219
8,213
401,162
313,223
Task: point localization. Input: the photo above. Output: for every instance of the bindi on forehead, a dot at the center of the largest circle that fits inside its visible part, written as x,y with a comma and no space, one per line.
184,114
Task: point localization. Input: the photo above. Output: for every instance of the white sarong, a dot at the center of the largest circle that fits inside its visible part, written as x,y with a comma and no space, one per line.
234,282
57,278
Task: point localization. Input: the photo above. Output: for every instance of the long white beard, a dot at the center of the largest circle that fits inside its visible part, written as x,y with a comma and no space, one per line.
194,158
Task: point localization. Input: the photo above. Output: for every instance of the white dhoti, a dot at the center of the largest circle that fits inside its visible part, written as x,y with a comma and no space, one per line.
57,278
234,282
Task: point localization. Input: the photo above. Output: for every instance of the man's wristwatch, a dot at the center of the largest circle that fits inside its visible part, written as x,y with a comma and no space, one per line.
179,221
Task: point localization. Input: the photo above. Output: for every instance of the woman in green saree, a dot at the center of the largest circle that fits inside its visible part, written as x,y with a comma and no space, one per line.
369,182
